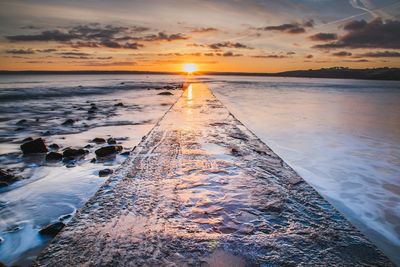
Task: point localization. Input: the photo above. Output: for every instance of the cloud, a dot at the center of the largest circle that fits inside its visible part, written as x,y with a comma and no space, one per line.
217,46
381,54
361,34
46,50
356,61
322,36
270,56
20,51
342,54
95,35
74,54
309,56
204,30
291,28
231,54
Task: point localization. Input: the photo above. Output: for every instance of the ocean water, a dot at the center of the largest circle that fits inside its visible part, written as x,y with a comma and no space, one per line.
341,136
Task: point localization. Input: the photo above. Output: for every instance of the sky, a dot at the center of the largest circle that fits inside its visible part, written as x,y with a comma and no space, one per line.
219,35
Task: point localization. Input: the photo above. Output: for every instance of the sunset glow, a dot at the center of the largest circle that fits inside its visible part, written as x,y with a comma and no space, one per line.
190,68
221,36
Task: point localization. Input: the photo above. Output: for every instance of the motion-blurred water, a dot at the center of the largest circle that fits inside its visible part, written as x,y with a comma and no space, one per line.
342,136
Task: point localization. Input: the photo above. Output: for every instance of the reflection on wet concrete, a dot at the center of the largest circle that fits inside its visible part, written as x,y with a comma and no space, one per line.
202,190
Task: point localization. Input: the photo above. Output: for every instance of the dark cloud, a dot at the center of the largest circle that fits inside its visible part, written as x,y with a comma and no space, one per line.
95,35
270,56
322,36
74,54
45,36
342,54
356,61
20,51
161,36
231,54
292,28
46,50
204,30
361,34
381,54
217,46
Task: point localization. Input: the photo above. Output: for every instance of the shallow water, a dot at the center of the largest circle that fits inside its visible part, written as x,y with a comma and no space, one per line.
49,192
342,136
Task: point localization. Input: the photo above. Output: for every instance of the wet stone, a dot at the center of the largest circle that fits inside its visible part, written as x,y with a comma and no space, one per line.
107,151
71,152
111,141
105,172
165,93
68,122
54,156
98,140
34,146
52,229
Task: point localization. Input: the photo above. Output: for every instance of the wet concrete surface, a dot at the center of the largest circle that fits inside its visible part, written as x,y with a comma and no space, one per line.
202,190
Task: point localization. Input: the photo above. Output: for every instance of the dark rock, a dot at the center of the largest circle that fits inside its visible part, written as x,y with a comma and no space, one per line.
54,146
88,146
27,139
54,156
7,178
21,122
92,104
168,87
93,160
107,150
2,264
93,108
126,153
19,129
37,119
68,122
120,104
111,141
98,140
105,172
165,93
34,146
71,152
52,229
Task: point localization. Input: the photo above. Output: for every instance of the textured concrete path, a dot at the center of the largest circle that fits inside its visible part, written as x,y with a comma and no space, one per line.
203,190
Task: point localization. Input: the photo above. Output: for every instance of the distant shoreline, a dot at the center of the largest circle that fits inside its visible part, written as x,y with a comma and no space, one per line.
334,73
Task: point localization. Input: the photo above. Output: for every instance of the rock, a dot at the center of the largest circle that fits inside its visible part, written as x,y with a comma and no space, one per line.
126,153
98,140
54,156
107,150
71,152
34,146
27,139
93,104
105,172
21,122
68,122
165,93
54,146
120,104
52,229
168,87
111,141
6,178
93,160
88,146
2,264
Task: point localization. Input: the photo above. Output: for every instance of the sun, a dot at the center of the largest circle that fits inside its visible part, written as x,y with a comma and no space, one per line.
189,67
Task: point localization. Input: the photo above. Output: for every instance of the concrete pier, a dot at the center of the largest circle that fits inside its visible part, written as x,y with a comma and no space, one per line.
202,190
